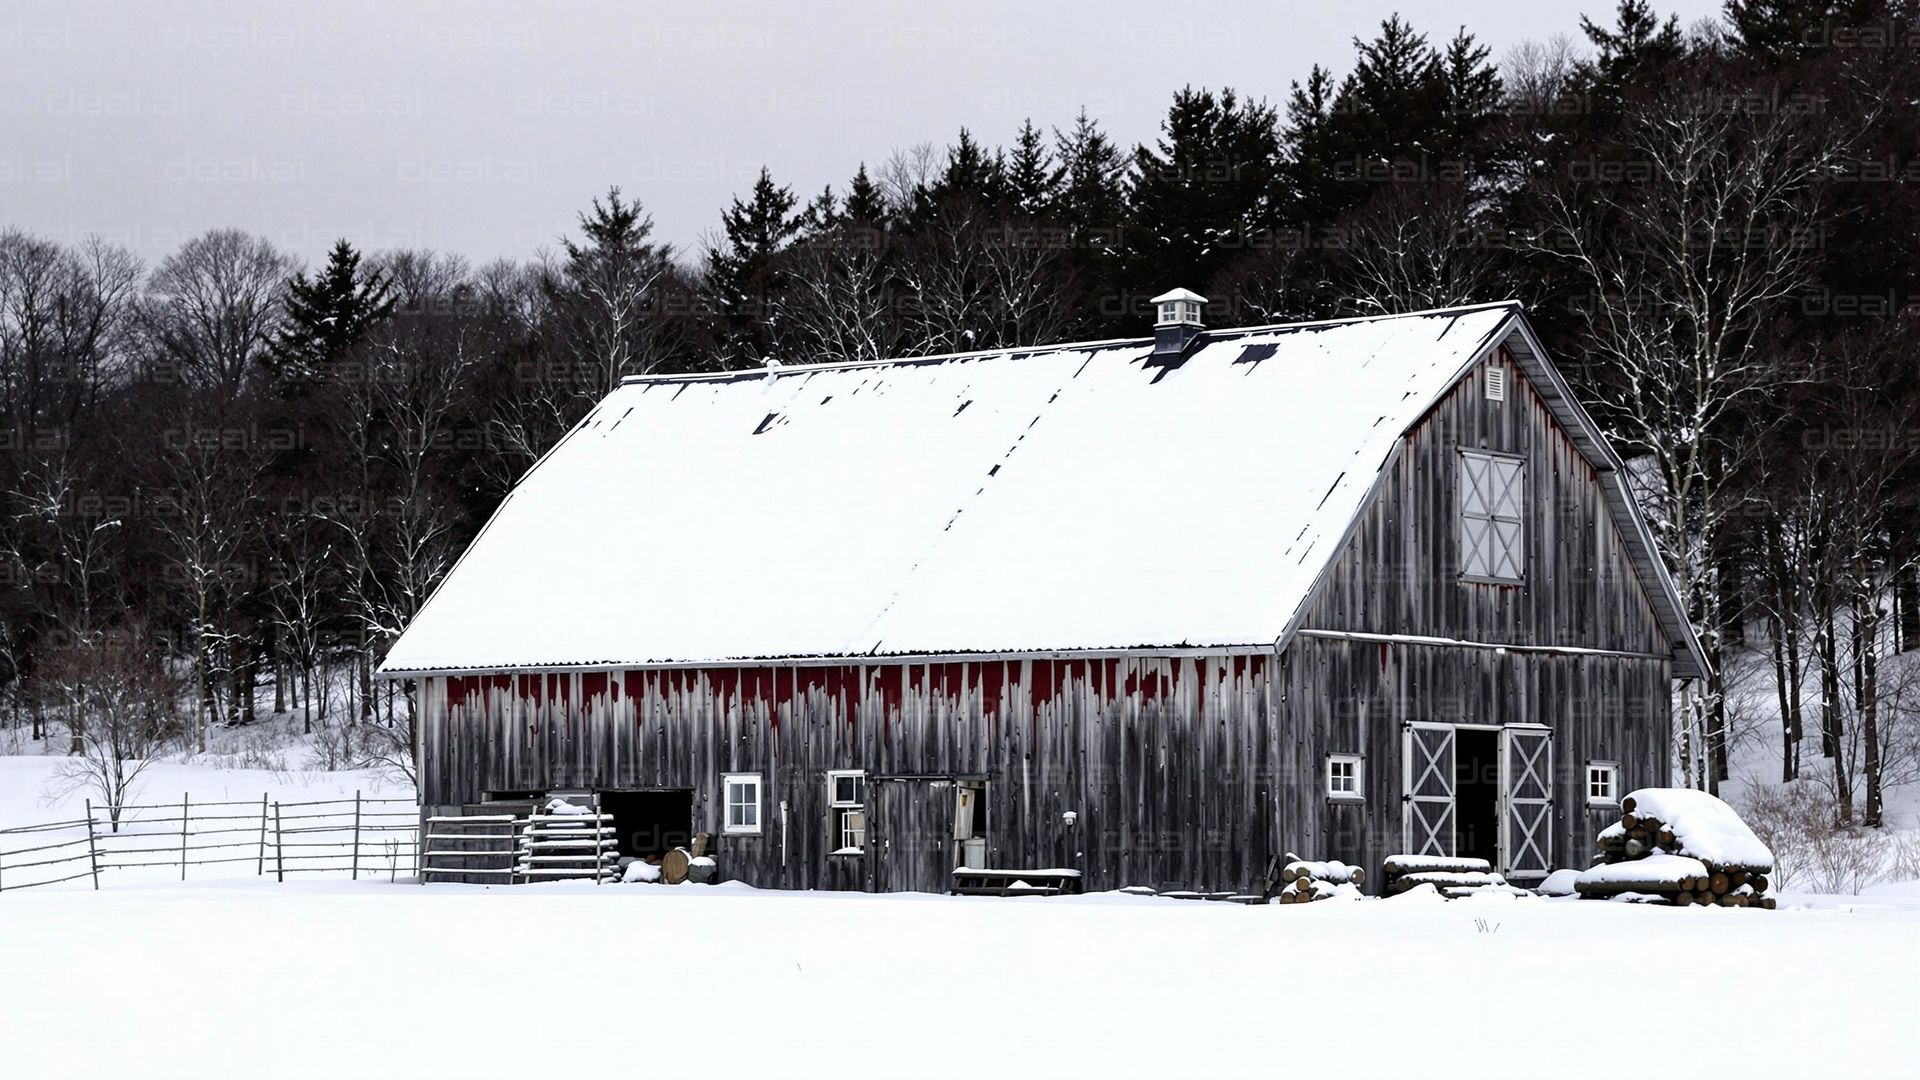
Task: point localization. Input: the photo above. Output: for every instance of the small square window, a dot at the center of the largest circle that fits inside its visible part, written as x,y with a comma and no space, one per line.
742,791
1603,783
1344,777
847,805
1496,383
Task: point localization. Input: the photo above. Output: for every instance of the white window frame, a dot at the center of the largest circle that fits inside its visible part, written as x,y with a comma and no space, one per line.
1496,382
1611,770
839,810
1356,767
728,782
1491,519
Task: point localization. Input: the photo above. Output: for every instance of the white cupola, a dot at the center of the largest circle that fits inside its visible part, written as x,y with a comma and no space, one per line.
1178,322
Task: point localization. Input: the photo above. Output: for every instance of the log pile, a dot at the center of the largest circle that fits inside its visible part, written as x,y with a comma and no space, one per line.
1308,880
1453,876
1644,858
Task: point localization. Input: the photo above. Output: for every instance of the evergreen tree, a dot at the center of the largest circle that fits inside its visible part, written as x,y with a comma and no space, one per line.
1311,173
1205,192
1780,31
326,316
1390,106
741,275
1033,177
971,172
606,295
1093,172
864,204
1632,54
1473,91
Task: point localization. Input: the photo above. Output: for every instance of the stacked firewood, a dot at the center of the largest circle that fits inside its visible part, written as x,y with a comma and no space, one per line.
1308,880
1645,858
1452,876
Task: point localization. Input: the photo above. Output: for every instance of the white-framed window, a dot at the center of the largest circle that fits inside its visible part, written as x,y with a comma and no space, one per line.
847,807
741,793
1345,774
1493,530
1603,783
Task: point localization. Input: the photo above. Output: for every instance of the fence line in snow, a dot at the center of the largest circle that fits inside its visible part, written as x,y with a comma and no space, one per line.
354,836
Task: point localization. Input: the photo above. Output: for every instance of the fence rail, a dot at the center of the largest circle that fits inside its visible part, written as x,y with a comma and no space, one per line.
357,836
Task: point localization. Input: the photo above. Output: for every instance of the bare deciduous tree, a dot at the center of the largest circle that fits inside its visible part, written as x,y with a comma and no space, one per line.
1414,246
840,302
215,306
63,318
118,696
1686,251
975,281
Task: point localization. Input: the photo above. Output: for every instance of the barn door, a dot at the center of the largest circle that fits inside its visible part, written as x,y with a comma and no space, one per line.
1427,794
910,833
1526,805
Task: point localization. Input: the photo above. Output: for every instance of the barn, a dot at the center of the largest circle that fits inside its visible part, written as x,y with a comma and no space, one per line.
1151,610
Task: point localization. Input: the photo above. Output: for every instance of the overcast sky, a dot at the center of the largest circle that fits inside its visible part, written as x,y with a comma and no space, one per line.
483,127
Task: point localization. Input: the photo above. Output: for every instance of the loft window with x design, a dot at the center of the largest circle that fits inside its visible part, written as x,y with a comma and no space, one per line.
1493,530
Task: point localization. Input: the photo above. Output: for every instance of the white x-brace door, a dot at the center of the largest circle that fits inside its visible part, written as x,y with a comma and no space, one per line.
1427,789
1526,810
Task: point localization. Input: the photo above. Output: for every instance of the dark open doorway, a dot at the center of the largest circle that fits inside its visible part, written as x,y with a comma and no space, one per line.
1477,794
650,822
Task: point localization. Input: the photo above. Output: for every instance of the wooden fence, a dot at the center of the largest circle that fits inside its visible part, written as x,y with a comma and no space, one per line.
356,836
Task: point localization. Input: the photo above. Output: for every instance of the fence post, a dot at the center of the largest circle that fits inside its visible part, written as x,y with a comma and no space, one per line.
183,837
356,836
279,847
260,865
93,851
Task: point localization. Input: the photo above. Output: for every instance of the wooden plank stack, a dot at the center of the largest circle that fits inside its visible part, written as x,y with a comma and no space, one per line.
1307,880
1695,877
568,845
1453,876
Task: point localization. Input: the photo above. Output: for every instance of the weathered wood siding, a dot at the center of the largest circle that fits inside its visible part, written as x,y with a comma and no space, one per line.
1183,772
1346,697
1162,759
1400,575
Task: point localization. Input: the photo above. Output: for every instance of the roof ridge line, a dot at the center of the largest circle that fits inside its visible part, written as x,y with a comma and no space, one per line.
1217,333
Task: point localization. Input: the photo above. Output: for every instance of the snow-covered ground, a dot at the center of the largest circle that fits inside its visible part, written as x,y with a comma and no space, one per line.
335,980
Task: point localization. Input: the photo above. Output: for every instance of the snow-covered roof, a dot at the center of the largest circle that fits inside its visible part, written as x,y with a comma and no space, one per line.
1078,497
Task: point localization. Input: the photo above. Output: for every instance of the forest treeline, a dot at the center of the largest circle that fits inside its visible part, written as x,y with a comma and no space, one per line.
227,477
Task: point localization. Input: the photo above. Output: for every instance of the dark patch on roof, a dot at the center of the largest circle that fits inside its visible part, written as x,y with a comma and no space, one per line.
766,423
963,407
1253,354
826,399
1329,491
995,471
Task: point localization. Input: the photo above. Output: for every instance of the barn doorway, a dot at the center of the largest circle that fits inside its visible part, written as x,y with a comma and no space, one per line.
651,822
1476,785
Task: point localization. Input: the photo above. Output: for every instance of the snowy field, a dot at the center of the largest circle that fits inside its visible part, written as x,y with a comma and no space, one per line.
338,980
245,977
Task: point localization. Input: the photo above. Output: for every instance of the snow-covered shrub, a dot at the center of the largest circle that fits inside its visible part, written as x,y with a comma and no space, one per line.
263,747
1811,852
334,746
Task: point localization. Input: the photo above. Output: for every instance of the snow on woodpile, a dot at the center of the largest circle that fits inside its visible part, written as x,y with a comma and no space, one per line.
1681,847
1307,890
892,508
1655,873
1703,826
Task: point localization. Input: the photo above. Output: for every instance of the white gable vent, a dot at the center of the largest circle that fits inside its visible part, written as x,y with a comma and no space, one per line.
1496,383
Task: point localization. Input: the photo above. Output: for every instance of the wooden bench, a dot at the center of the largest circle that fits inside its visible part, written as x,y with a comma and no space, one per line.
973,881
